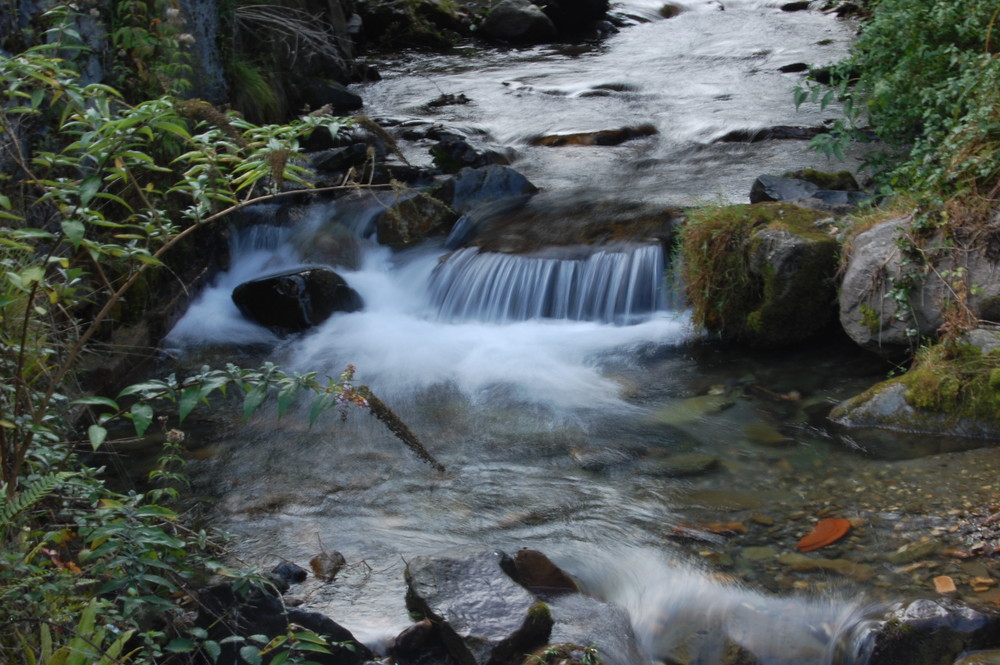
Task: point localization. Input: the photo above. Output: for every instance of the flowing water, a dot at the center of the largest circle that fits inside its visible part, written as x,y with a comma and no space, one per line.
576,411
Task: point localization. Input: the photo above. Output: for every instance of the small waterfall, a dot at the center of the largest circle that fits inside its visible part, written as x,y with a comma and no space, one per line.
621,286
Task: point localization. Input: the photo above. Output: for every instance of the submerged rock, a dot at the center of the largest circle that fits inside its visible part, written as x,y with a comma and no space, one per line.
296,300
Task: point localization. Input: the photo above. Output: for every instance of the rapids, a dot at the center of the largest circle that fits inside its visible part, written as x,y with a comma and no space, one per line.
559,390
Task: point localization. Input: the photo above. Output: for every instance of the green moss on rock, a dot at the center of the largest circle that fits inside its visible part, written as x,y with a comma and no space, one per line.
761,273
957,380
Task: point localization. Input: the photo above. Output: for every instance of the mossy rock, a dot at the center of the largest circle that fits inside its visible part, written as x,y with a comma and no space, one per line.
951,389
760,274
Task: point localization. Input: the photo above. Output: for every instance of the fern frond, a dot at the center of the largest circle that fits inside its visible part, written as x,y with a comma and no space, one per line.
35,492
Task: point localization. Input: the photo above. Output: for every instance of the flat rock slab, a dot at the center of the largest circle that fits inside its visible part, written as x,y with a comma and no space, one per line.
486,618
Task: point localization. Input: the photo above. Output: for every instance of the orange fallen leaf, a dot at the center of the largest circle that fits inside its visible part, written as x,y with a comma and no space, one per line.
826,532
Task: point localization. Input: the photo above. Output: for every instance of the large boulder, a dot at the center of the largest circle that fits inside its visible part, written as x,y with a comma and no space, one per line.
484,615
412,217
898,287
296,300
761,274
519,22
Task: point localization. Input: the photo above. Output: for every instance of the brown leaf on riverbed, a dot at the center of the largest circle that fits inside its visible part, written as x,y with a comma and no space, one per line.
826,532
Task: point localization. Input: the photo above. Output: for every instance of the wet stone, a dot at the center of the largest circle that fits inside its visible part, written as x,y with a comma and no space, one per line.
484,615
684,466
692,409
912,552
764,434
802,563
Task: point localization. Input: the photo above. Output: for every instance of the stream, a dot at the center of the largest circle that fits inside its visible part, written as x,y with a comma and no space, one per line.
666,473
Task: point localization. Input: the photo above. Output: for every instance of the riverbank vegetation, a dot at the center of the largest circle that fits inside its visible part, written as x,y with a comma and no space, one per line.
98,194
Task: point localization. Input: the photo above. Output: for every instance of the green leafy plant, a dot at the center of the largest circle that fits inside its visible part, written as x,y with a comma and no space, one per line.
97,194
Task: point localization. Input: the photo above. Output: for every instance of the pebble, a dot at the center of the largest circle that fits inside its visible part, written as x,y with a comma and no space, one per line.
944,584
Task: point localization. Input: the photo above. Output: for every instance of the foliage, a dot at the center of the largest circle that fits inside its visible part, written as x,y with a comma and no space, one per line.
95,193
924,74
148,37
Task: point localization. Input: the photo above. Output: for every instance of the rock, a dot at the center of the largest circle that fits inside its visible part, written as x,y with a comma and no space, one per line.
691,409
573,17
778,132
606,628
807,564
325,566
887,406
795,6
519,22
452,153
597,460
339,159
930,632
764,434
537,573
296,300
944,584
686,466
472,188
991,657
913,552
605,137
793,68
671,10
761,274
484,615
225,613
287,574
413,217
777,188
419,644
318,93
889,301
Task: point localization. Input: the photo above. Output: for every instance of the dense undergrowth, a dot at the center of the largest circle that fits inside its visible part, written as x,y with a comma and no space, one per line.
97,191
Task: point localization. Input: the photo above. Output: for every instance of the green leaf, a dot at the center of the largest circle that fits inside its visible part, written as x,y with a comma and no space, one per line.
142,417
74,230
250,654
180,645
213,649
96,400
254,398
97,435
88,188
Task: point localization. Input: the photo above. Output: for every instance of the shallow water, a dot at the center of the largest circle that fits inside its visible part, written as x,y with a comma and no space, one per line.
666,473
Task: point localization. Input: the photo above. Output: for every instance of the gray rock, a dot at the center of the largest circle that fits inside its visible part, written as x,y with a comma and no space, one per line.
474,187
580,619
777,188
929,632
519,21
484,615
885,407
889,301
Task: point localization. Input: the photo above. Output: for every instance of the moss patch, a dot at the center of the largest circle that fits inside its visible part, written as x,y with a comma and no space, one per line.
728,256
957,380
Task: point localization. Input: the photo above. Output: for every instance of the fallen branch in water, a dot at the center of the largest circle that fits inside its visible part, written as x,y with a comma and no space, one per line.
381,411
